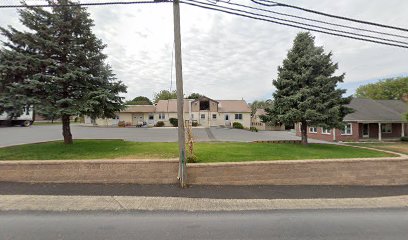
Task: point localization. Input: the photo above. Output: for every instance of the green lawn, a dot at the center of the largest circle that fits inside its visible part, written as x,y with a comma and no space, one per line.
206,152
400,147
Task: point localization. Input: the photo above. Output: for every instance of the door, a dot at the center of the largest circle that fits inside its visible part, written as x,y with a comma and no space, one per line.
137,119
151,119
366,130
227,120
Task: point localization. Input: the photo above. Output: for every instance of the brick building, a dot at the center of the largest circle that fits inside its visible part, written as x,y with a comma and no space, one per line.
371,119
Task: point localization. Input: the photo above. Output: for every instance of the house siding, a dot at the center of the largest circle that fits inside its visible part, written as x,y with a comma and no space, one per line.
357,133
319,135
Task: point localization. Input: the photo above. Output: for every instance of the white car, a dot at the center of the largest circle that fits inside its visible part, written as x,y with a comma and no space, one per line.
25,119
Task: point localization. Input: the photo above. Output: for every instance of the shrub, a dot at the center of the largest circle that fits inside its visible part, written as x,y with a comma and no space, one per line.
237,125
253,129
159,124
174,122
404,139
121,124
192,159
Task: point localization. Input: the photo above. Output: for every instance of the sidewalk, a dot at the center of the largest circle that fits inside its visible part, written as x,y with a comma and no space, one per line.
123,197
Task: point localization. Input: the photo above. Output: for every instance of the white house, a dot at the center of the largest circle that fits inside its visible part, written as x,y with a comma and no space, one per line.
205,111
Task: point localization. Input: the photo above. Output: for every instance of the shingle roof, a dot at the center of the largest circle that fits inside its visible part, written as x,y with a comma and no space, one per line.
138,109
377,110
233,106
171,105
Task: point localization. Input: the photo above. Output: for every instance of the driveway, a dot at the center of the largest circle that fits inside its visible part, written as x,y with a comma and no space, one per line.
19,135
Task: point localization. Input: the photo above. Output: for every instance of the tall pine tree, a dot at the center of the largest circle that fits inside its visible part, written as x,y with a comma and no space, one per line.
306,89
58,64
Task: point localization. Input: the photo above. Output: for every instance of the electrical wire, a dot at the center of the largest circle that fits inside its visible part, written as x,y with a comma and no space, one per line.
81,4
300,23
274,4
313,20
222,9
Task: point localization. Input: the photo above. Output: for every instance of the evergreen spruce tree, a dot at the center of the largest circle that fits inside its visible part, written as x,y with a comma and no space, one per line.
306,89
58,64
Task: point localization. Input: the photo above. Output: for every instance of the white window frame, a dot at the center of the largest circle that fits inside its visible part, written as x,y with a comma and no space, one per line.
344,130
214,116
202,116
384,127
238,116
326,130
162,116
314,129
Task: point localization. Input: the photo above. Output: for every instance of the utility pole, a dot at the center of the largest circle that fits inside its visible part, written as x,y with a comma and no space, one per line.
180,96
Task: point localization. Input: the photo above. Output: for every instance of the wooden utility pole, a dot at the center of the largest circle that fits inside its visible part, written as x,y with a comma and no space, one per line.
180,96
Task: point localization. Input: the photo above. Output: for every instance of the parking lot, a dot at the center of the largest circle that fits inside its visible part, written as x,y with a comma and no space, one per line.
21,135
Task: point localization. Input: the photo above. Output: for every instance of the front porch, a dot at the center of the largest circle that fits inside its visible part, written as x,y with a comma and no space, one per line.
382,131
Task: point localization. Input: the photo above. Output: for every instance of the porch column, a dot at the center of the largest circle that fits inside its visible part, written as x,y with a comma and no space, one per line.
379,131
402,129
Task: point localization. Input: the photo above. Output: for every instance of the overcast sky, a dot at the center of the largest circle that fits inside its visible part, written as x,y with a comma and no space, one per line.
230,57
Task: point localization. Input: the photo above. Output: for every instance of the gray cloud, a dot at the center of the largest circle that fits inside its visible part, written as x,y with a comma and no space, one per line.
229,57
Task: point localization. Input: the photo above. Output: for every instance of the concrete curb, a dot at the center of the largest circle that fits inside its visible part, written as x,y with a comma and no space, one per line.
128,203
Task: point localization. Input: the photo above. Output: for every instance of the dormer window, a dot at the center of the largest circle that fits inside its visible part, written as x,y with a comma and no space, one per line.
205,105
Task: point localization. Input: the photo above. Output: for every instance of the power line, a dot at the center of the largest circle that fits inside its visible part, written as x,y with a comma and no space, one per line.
82,4
300,23
193,3
313,20
274,4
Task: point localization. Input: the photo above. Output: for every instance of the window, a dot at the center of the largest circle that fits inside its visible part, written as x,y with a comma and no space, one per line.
192,116
347,130
162,116
202,116
386,128
313,129
151,117
325,130
204,105
28,111
214,116
226,117
238,116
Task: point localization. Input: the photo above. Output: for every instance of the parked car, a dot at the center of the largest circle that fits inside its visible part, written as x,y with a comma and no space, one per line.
24,120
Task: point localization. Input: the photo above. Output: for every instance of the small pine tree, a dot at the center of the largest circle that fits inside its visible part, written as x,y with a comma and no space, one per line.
58,63
306,90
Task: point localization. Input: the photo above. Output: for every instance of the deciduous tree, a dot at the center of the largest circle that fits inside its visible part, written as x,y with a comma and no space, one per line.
165,95
388,89
140,100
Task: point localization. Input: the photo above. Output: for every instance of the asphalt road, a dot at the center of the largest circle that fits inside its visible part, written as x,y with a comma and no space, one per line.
390,224
213,192
21,135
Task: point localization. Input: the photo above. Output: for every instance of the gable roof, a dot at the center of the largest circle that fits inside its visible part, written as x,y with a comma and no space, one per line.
233,106
138,109
205,98
366,110
171,106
